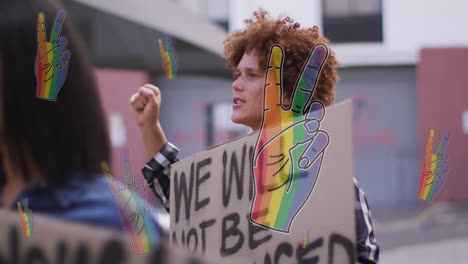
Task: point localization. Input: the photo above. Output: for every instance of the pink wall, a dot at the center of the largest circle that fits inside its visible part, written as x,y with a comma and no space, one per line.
443,96
115,88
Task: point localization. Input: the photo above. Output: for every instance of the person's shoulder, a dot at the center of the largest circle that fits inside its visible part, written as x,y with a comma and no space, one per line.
90,201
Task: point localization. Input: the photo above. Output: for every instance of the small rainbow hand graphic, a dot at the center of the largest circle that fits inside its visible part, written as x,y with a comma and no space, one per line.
304,242
169,59
136,214
26,218
52,59
435,168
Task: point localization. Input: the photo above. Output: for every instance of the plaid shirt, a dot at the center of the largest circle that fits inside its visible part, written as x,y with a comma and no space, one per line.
157,174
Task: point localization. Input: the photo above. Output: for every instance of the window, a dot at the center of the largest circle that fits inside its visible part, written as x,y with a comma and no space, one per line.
347,21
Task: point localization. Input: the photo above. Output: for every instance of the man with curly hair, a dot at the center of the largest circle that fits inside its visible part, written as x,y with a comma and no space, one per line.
247,52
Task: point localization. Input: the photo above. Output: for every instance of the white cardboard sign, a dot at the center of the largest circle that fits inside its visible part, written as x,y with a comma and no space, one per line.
211,194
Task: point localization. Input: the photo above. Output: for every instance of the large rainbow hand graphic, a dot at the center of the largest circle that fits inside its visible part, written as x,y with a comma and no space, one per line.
290,146
52,59
434,169
136,214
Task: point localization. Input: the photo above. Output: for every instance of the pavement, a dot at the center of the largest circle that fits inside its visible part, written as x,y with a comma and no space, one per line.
430,234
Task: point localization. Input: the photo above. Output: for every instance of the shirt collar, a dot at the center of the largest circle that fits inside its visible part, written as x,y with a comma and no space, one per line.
43,196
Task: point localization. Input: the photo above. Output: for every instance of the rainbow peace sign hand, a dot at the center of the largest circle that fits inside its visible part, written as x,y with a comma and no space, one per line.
136,214
52,59
434,169
169,59
290,146
27,219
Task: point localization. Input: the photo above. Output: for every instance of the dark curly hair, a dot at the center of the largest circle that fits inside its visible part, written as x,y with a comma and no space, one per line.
262,32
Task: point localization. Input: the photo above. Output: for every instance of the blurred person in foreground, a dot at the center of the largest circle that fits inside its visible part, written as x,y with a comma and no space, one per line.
247,53
51,151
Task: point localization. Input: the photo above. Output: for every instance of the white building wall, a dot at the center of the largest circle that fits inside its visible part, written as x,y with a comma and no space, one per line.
424,23
307,13
211,9
408,26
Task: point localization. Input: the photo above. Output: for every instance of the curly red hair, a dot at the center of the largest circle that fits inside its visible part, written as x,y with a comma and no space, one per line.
262,32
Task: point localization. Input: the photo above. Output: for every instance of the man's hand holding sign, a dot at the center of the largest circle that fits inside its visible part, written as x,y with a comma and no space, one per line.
290,146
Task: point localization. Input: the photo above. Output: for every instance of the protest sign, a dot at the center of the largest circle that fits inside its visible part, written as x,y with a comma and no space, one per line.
212,192
56,242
